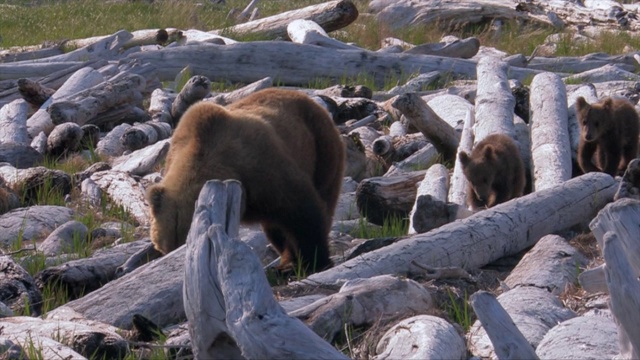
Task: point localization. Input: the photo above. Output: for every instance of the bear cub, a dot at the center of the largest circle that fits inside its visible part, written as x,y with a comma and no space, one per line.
285,150
608,135
494,170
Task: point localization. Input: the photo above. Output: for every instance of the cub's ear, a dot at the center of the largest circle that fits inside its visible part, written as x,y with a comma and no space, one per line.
488,152
464,158
581,104
155,197
607,103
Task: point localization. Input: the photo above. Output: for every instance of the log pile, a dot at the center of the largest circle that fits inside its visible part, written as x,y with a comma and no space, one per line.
109,100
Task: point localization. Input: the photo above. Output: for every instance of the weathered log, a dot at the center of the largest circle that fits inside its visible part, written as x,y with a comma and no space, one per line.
149,37
160,105
464,49
419,160
606,73
421,337
332,15
143,161
106,48
18,290
235,95
594,280
110,145
303,63
220,328
32,182
64,139
196,89
430,209
394,149
619,217
494,100
61,240
382,198
126,113
578,64
139,136
15,54
13,123
630,184
125,191
458,187
22,156
33,92
508,341
509,228
82,79
363,302
436,130
30,223
550,149
84,106
35,70
310,33
416,84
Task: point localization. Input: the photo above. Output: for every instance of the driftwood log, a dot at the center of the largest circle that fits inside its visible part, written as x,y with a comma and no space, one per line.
430,209
310,33
196,89
458,187
494,100
229,311
235,95
33,92
13,123
510,228
160,105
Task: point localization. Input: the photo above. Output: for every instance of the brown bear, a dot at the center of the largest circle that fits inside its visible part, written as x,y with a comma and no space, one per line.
284,149
608,135
494,170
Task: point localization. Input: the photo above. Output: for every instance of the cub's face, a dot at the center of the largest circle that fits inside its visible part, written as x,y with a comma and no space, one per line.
592,118
480,173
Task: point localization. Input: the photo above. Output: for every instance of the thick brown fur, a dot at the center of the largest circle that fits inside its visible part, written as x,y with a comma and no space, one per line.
608,135
494,170
284,149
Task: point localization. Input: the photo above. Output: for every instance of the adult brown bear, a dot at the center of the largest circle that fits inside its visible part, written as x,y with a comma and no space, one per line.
284,149
608,135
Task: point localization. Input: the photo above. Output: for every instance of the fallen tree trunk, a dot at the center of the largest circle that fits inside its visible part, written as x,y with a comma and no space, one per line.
13,123
106,49
494,100
332,15
196,89
458,187
235,95
297,64
550,149
486,236
430,209
218,301
310,33
33,92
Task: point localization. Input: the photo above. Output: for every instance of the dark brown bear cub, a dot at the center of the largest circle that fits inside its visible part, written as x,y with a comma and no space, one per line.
608,135
494,170
282,147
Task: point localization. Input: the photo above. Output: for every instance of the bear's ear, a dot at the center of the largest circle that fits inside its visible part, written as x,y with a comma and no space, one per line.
608,103
464,158
581,104
155,196
488,153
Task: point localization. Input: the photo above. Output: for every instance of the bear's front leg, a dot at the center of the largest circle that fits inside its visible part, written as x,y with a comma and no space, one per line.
585,156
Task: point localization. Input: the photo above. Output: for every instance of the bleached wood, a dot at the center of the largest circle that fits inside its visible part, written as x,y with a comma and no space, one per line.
331,15
494,100
487,235
630,184
43,344
110,145
83,107
160,105
310,33
620,217
64,139
421,337
430,208
228,301
624,291
148,37
458,187
125,191
144,161
365,301
606,73
80,80
34,70
593,280
139,136
297,64
195,36
508,341
458,48
20,53
196,89
578,64
550,149
587,91
418,160
235,95
13,123
33,92
436,130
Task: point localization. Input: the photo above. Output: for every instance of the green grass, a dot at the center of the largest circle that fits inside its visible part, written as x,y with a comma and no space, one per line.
459,310
391,227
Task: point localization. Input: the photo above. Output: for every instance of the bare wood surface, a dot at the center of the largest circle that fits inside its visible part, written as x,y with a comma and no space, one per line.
331,15
418,160
138,136
508,341
464,49
235,95
494,100
110,145
144,161
35,70
550,149
13,123
458,187
125,191
436,130
510,228
630,184
82,79
310,33
608,72
221,304
593,280
196,89
15,54
430,208
64,139
160,105
106,48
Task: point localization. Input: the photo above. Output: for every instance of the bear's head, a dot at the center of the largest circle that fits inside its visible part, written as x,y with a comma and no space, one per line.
593,117
479,169
168,229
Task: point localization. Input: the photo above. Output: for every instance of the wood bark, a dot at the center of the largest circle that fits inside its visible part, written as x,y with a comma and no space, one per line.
494,100
13,123
458,187
81,80
221,304
550,149
196,89
420,159
33,92
303,63
508,341
430,208
510,228
332,15
436,130
382,198
160,105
